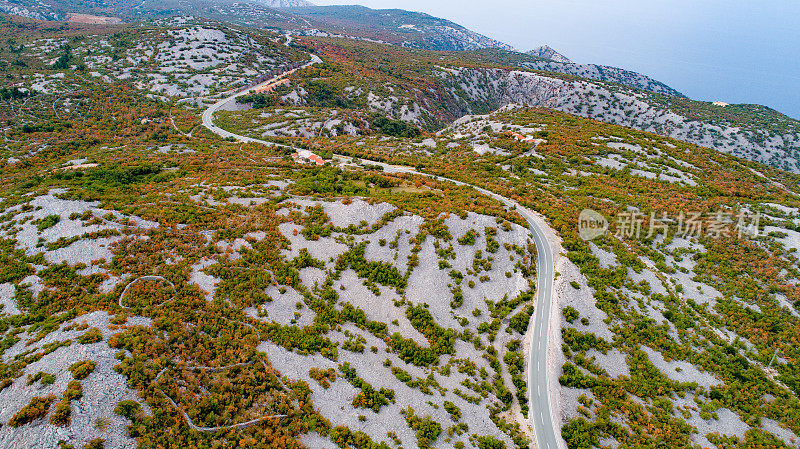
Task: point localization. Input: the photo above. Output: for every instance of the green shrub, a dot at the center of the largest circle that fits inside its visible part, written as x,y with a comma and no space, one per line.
82,369
61,415
570,314
44,378
490,442
584,341
74,390
36,408
428,430
580,434
128,408
368,397
453,410
93,335
520,321
395,128
48,222
468,238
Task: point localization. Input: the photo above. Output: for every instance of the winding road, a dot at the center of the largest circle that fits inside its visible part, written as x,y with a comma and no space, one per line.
208,114
547,435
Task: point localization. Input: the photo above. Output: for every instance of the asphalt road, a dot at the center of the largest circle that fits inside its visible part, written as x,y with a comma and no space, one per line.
208,114
547,436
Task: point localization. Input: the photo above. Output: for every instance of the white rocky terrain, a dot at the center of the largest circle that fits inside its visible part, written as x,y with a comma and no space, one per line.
178,57
92,415
548,52
35,10
469,89
65,233
616,105
491,277
302,122
467,278
552,61
603,73
398,27
284,3
656,288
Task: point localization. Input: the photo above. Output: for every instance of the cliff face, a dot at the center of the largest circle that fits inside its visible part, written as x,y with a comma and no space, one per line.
547,52
616,105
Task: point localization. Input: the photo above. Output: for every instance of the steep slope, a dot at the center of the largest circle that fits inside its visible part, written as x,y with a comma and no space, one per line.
592,71
177,57
547,52
161,286
433,89
396,26
285,3
604,73
743,134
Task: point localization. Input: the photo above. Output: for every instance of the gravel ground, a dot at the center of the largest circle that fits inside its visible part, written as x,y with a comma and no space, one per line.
612,361
206,282
312,277
427,284
80,251
792,239
379,308
323,249
728,423
407,226
343,215
607,259
283,308
680,371
102,390
582,300
317,441
570,396
7,299
774,427
335,402
29,237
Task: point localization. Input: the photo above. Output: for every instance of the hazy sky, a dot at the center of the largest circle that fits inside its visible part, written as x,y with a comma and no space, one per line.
730,50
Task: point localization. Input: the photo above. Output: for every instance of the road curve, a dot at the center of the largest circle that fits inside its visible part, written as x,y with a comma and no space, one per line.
208,114
540,411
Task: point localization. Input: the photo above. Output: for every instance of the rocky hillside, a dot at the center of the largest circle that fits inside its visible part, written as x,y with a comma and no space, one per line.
178,57
404,28
604,73
432,90
635,109
285,3
595,72
161,286
395,26
31,10
547,52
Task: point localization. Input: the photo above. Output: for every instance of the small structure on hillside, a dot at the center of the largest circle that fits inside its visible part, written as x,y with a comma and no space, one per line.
307,157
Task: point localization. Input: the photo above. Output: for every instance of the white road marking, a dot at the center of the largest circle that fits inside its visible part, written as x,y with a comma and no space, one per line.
546,434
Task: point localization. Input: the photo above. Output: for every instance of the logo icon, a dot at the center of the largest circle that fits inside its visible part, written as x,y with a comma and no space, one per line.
591,224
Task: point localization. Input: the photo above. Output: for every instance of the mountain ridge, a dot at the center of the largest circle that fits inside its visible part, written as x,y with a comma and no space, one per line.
394,26
397,26
547,52
361,268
